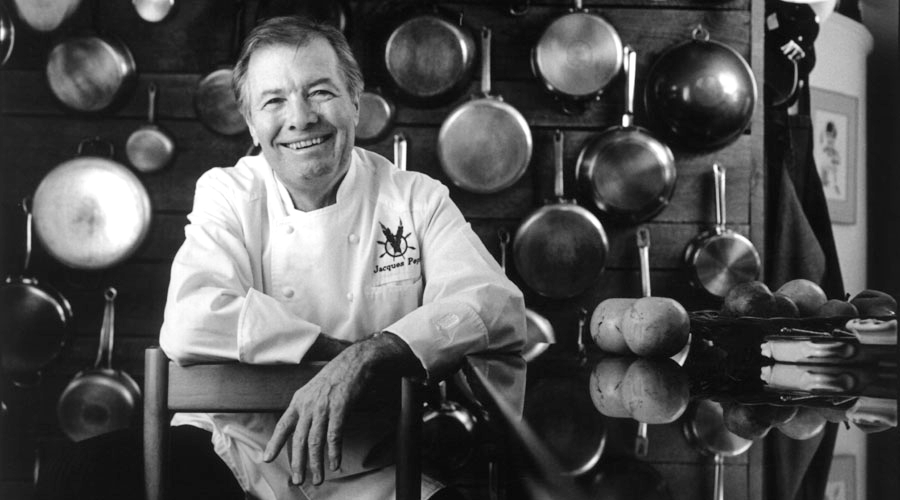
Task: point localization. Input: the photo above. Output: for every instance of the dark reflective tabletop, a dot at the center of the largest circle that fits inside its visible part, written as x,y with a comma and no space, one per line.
574,416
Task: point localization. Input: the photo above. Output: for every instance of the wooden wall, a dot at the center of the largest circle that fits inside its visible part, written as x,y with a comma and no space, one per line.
37,133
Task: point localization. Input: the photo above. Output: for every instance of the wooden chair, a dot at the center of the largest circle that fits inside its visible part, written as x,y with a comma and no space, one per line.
236,387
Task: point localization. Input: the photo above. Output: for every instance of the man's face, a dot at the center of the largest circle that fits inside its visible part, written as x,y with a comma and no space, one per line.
302,114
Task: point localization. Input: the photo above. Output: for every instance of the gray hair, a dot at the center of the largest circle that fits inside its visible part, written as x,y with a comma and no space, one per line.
294,31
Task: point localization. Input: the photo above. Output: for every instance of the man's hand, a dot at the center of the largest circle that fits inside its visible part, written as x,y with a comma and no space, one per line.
316,414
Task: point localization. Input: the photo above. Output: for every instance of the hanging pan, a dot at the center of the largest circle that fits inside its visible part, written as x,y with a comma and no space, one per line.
560,249
485,144
539,331
153,11
36,321
45,15
150,148
705,429
625,170
214,99
701,92
577,55
376,116
7,35
430,58
91,73
100,399
719,259
448,432
91,212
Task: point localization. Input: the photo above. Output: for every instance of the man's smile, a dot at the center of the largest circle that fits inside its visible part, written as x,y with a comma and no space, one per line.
306,143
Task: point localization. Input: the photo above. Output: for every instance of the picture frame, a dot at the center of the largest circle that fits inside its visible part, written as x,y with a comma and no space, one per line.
834,119
841,483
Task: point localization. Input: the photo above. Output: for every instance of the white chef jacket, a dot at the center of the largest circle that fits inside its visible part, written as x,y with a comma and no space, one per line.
257,280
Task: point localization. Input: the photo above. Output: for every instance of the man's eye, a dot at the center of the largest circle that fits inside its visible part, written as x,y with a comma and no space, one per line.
321,94
273,101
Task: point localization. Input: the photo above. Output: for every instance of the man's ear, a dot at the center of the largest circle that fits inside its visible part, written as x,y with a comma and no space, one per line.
356,112
252,132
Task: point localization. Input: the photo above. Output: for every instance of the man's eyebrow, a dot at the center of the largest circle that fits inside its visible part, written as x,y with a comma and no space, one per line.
318,81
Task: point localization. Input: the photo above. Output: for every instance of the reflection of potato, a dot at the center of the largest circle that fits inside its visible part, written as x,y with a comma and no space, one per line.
748,421
655,391
806,424
606,325
606,386
656,327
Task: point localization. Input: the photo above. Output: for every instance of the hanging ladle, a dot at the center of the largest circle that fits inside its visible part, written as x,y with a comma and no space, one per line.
705,430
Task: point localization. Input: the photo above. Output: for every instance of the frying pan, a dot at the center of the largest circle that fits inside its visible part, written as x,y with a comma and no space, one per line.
153,11
485,144
625,170
560,249
150,148
539,332
719,259
100,399
91,212
577,55
701,92
214,99
429,58
36,320
7,35
376,116
705,430
90,73
45,15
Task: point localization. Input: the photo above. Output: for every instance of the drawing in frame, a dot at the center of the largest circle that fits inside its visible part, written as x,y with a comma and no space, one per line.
834,122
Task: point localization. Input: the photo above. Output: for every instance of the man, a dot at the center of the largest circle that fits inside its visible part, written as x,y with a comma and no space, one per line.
317,249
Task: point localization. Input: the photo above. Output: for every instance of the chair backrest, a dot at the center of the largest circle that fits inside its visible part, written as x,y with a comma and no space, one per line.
237,387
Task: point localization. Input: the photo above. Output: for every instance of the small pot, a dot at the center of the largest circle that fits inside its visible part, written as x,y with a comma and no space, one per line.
448,431
376,117
45,15
100,399
91,212
150,148
560,249
701,92
430,58
577,55
7,35
91,73
214,100
153,11
719,259
625,170
539,332
705,430
36,321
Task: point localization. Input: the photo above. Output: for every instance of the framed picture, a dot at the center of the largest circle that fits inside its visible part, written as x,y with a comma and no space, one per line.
841,478
834,122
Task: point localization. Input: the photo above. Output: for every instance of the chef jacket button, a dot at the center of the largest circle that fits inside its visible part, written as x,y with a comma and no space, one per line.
350,296
354,239
289,229
287,292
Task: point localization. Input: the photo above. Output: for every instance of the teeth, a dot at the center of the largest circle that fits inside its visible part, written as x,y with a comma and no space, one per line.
305,144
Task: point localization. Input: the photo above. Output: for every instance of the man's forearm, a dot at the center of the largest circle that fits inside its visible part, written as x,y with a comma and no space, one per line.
388,353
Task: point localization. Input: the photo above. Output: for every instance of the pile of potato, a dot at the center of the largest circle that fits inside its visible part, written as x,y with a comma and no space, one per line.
650,327
802,298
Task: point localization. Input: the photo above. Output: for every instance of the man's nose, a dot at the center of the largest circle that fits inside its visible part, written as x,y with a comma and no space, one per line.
303,114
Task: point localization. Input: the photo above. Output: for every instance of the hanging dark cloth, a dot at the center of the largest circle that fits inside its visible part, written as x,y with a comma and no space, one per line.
800,244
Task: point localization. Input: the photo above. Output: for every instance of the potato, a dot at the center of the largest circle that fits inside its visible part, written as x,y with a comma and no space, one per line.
808,296
606,325
655,327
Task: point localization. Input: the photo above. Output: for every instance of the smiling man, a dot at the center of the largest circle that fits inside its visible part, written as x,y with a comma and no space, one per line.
316,249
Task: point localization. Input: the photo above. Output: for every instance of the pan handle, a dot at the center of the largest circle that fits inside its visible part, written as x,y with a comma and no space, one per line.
485,61
720,479
105,349
559,189
503,235
719,175
629,65
151,103
641,443
400,151
26,207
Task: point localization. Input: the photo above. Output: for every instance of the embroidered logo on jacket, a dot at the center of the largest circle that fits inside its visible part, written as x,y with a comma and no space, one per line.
395,244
